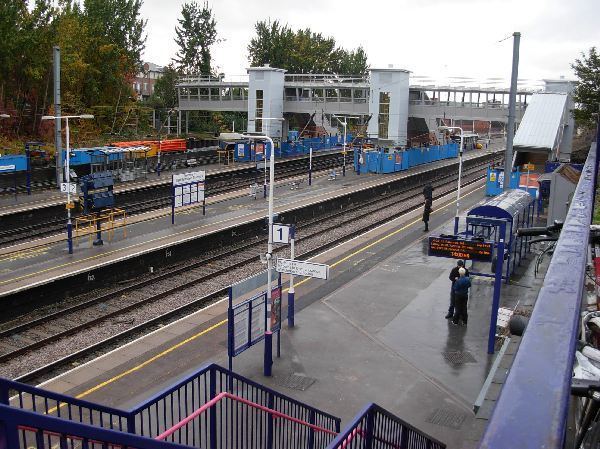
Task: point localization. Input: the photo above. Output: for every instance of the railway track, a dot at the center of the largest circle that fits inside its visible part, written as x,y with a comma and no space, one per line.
34,339
149,199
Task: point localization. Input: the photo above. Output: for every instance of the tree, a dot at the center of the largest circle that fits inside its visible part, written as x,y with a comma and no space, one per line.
587,88
195,35
165,92
302,51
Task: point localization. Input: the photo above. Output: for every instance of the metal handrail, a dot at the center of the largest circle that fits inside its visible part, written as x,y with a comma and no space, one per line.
226,395
534,403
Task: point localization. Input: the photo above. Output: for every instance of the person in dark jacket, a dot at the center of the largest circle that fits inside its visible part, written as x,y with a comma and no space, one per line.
461,296
428,192
453,277
426,213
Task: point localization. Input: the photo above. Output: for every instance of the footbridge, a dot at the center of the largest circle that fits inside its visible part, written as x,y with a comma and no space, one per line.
388,96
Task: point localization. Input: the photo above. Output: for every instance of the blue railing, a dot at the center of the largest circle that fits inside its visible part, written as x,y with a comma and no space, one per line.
532,409
163,410
375,427
216,428
22,429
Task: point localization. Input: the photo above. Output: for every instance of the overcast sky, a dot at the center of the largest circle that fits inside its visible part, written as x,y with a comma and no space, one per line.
437,38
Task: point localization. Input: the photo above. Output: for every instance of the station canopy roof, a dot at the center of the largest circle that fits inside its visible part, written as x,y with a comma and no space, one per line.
541,126
504,206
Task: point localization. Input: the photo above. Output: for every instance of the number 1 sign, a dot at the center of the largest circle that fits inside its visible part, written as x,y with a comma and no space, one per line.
281,233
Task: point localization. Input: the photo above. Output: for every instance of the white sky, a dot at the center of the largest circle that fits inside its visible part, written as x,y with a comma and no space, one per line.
437,38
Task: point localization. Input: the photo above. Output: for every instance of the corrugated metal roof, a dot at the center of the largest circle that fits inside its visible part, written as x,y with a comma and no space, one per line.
541,126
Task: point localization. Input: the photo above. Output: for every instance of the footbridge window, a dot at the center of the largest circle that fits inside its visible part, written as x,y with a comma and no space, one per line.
384,114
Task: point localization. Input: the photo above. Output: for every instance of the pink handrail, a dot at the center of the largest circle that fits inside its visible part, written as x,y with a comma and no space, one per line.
225,394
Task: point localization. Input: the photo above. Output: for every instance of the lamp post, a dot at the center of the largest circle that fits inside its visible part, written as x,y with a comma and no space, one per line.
345,124
268,355
68,171
460,156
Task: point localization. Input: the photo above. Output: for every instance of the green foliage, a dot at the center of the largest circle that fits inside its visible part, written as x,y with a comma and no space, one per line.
195,35
101,44
587,89
165,92
302,51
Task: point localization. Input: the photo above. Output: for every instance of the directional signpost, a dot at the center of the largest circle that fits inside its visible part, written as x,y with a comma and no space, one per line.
302,268
187,189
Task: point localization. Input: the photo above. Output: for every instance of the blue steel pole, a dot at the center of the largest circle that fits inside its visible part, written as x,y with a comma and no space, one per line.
291,293
496,297
596,164
28,174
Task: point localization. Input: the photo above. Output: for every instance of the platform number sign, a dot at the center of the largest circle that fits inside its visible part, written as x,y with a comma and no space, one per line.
281,233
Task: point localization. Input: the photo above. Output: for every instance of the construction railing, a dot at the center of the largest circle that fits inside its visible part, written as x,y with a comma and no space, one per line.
533,406
375,428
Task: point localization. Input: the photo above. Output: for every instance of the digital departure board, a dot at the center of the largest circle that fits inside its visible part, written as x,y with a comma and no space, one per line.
460,249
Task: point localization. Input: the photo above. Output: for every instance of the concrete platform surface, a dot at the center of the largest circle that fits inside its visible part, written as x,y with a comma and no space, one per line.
374,332
23,267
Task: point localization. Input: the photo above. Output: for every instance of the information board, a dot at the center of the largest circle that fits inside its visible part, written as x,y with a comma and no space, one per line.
187,194
302,268
275,309
248,323
460,249
189,178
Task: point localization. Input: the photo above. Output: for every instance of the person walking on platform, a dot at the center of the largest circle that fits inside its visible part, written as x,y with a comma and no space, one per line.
453,277
461,296
426,213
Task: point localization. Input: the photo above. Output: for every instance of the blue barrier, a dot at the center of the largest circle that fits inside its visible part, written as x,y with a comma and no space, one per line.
375,427
22,429
170,406
13,163
534,403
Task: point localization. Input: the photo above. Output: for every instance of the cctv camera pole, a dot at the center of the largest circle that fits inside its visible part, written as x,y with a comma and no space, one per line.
512,100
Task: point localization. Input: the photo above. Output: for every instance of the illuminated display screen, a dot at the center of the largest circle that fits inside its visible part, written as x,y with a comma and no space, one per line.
460,249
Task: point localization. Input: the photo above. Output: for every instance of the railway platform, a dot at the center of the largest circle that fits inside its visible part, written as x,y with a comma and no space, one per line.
11,204
36,264
385,296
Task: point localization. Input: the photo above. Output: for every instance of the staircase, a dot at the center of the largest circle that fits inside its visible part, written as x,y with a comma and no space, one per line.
212,408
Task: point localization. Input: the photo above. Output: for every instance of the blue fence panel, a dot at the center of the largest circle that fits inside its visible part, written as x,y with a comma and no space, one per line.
13,163
170,406
48,403
375,427
533,406
21,429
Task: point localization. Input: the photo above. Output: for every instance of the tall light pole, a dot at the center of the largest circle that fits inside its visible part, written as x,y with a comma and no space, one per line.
512,100
68,171
460,158
345,123
268,355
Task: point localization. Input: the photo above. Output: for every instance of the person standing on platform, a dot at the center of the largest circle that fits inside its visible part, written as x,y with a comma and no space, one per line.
461,296
426,212
453,277
428,192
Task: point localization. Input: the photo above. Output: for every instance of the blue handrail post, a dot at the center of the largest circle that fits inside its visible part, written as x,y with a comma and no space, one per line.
131,423
213,410
271,405
369,430
311,432
497,288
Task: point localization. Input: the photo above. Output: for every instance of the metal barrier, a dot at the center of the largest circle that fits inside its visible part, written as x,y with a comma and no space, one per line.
375,427
254,426
45,402
167,408
22,429
533,406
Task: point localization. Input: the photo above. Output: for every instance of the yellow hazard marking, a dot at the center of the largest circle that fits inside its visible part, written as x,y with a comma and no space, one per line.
221,323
